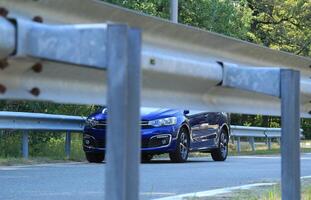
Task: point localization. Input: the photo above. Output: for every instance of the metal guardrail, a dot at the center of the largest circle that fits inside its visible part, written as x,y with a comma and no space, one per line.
181,66
64,123
41,122
252,132
173,58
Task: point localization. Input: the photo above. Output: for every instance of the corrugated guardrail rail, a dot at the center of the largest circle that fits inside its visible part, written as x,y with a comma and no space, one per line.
39,121
253,132
173,58
63,61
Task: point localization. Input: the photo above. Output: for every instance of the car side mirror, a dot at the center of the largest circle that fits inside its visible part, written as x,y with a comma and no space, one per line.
186,112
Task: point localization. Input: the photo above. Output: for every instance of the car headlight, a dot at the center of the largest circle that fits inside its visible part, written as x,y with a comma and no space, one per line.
163,122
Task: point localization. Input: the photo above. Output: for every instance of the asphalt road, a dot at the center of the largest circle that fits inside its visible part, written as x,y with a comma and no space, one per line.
158,179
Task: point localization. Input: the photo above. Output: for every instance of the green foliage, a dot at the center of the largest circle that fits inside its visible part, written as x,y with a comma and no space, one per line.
281,24
158,8
306,126
223,17
267,121
10,144
47,107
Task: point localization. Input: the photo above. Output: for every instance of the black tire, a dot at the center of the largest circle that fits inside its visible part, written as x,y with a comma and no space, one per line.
180,154
221,153
146,157
95,157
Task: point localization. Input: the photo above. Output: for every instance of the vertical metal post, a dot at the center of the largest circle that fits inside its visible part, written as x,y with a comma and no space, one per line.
174,10
123,131
68,144
232,139
290,149
252,143
25,142
269,143
238,143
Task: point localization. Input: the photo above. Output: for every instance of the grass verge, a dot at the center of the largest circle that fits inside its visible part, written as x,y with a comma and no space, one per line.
32,160
259,193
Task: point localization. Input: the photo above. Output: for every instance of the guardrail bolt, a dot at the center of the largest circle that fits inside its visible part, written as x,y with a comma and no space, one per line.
2,89
38,19
37,67
35,91
3,12
3,63
152,61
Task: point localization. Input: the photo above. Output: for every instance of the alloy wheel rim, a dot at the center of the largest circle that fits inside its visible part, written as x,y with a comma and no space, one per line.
223,144
183,145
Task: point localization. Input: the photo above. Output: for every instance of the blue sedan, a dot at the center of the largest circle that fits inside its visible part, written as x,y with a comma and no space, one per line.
176,132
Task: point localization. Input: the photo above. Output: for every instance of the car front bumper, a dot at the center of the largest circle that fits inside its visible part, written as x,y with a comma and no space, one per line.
153,140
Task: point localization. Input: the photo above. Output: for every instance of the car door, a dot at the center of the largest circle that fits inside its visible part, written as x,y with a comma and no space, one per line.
204,128
197,124
212,126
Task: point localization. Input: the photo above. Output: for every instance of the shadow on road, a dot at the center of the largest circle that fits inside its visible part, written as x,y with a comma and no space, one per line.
162,161
169,162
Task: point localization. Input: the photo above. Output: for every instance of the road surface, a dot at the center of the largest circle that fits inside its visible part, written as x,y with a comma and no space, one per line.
158,179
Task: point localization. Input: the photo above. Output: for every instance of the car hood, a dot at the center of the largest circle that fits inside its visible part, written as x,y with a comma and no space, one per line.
156,113
146,113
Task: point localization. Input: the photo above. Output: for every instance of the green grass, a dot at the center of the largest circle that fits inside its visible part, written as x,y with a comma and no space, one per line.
275,151
259,193
272,193
262,149
32,160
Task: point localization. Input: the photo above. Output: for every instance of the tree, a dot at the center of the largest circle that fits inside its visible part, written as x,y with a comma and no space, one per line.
221,16
281,24
158,8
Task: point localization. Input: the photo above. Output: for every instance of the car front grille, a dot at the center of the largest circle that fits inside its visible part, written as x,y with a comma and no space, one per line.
145,142
103,125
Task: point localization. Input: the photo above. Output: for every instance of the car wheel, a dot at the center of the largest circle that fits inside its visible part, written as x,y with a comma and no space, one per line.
95,157
180,154
221,153
146,157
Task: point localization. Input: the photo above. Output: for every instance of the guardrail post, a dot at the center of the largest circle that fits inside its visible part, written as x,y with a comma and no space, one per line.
174,10
68,144
252,143
238,144
25,144
269,143
123,131
290,138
